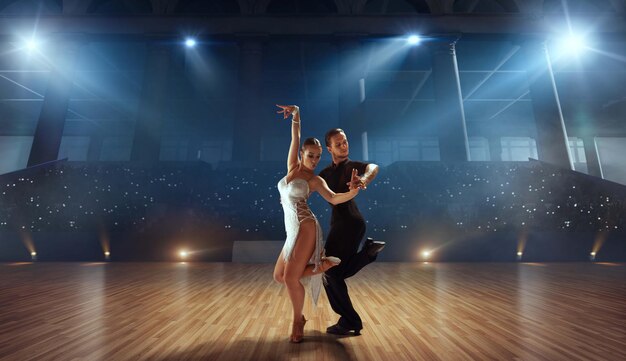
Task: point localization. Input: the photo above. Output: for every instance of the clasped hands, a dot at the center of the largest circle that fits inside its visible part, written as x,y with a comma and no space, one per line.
356,181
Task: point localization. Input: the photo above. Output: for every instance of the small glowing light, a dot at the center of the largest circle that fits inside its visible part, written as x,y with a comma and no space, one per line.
33,254
190,42
31,45
413,40
519,254
593,254
107,253
426,254
183,254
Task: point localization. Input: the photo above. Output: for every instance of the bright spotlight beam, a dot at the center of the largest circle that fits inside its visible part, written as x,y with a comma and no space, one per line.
413,40
190,42
571,45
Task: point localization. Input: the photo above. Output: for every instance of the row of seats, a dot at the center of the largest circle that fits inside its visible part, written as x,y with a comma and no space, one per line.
241,198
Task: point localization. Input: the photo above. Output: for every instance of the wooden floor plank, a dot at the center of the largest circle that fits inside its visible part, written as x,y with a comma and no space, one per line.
228,311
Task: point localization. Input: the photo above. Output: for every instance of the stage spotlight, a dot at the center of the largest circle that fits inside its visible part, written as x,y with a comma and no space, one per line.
573,44
519,256
183,254
597,244
426,254
33,256
413,40
31,45
190,42
107,255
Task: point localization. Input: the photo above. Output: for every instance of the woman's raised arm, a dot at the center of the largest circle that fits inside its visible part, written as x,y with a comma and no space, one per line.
294,147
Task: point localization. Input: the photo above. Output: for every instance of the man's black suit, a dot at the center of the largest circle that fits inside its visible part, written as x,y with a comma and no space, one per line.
347,228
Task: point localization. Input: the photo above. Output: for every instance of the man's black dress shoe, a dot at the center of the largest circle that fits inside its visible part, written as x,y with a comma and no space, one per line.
372,247
336,329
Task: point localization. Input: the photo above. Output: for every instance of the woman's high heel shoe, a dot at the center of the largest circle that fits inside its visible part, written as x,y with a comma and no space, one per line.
329,262
297,331
334,260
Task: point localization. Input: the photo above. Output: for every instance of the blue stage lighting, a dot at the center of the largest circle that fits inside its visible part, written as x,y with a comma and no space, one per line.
190,42
413,40
574,44
31,45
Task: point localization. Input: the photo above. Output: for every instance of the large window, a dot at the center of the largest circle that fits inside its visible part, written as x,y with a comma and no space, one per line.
385,151
174,149
215,151
577,150
116,149
518,148
479,149
14,152
611,152
74,148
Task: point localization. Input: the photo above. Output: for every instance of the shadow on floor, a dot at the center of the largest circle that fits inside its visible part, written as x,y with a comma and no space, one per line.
316,345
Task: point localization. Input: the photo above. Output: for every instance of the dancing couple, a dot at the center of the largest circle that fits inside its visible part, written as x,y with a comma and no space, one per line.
304,253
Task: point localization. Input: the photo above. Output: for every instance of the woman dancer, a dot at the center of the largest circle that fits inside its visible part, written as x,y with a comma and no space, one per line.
301,255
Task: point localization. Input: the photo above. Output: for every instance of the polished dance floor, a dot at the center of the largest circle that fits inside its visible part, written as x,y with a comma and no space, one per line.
230,311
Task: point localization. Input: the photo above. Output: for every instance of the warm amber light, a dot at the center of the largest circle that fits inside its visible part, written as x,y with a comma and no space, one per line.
519,254
426,254
33,254
183,254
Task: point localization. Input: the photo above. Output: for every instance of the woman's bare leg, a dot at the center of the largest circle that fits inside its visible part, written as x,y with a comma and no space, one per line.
279,269
302,251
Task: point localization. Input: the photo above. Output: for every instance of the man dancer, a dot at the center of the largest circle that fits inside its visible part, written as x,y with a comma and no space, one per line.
347,228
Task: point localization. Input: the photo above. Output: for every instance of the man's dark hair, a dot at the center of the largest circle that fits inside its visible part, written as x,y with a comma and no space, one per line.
331,133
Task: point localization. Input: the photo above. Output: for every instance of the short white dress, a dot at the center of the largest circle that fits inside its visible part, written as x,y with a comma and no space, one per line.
293,197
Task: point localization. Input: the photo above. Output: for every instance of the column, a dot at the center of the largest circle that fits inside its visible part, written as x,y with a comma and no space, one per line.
453,142
552,142
152,104
247,132
51,123
351,75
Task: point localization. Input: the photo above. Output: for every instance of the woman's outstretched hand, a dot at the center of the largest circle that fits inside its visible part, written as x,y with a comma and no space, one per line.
287,110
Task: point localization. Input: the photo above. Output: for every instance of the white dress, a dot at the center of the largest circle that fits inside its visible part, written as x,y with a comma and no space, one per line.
293,196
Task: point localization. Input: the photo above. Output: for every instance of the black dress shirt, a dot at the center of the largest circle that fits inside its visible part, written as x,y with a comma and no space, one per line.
337,176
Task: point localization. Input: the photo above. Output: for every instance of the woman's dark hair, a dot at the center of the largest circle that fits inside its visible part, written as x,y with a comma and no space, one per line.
311,141
331,133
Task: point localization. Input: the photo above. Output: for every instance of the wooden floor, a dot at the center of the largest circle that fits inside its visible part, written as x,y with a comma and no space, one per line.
228,311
